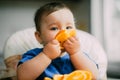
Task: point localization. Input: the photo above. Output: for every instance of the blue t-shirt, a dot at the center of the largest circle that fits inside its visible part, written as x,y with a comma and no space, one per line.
61,65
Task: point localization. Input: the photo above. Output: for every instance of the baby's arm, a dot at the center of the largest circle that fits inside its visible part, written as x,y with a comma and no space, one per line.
79,60
31,69
82,62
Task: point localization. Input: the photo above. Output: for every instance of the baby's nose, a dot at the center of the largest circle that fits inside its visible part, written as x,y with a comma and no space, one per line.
63,28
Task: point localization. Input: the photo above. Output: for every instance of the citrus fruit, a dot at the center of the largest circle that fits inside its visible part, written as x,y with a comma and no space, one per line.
63,35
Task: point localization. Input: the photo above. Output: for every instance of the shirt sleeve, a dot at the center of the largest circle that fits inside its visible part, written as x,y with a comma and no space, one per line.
29,55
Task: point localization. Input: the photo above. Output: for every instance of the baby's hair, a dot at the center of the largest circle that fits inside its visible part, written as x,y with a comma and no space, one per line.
46,10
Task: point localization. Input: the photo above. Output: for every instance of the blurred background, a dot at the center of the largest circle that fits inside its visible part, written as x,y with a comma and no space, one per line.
101,18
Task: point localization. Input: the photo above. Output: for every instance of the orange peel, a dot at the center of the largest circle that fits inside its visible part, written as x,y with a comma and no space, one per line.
63,35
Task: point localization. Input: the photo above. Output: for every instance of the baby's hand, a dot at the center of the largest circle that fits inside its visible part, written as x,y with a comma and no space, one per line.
72,45
52,49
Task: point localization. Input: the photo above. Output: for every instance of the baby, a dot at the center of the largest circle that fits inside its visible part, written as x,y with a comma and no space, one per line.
38,63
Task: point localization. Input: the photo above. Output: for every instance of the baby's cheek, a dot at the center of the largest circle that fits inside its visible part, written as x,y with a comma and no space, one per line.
49,38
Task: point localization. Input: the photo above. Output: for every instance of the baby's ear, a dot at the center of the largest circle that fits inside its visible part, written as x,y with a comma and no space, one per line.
37,35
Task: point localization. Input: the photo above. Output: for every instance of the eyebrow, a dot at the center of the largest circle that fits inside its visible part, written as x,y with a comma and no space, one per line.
70,23
55,23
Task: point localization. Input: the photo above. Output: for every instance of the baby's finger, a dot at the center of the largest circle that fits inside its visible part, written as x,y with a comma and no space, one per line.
67,43
71,39
55,42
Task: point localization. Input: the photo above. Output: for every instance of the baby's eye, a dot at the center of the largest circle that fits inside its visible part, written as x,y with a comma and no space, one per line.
54,28
69,27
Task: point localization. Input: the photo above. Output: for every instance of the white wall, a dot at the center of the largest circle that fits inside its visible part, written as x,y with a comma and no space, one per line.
112,29
105,25
15,16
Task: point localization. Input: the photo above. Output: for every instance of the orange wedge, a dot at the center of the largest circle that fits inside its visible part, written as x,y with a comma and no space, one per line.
63,35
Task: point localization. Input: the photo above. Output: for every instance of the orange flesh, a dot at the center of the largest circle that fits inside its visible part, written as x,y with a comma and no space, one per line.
63,35
75,75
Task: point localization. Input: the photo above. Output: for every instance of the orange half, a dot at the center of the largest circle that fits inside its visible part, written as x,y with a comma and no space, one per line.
75,75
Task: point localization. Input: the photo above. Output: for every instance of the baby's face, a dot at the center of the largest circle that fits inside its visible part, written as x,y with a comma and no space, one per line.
55,22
